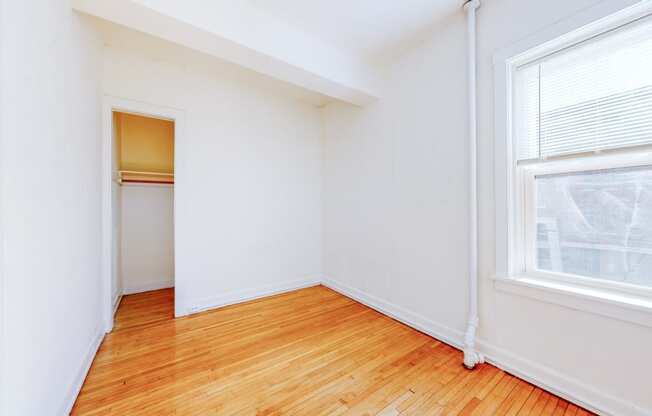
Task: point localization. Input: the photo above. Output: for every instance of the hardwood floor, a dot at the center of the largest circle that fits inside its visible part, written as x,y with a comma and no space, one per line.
309,352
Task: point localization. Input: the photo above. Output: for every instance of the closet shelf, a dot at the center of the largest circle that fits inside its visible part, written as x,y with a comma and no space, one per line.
133,176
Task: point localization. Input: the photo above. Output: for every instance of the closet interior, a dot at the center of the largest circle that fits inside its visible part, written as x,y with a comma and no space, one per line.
143,203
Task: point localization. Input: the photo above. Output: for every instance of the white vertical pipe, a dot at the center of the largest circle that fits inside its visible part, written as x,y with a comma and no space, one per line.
471,356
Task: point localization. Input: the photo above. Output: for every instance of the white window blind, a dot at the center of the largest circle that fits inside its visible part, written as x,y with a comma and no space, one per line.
593,96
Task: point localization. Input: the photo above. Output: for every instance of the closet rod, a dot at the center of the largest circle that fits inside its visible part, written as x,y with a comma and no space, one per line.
135,172
142,181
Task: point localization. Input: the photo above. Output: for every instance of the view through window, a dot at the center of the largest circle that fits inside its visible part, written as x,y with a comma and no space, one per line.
596,224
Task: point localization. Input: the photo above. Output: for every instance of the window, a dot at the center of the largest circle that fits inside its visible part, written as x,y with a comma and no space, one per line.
581,130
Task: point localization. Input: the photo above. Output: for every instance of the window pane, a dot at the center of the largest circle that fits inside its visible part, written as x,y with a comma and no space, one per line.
597,224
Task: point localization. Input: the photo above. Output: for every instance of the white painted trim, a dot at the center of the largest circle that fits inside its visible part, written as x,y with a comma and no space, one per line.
609,304
441,332
110,104
240,296
149,286
556,383
78,382
116,304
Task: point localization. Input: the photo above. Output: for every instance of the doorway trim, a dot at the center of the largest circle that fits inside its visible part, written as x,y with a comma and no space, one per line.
124,105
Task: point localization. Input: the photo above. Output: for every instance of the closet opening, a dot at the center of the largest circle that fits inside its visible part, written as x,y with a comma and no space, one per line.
140,267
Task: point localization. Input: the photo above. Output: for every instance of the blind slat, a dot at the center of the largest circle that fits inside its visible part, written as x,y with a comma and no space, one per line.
594,96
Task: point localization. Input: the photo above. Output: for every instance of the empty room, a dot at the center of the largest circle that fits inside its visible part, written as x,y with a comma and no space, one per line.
326,207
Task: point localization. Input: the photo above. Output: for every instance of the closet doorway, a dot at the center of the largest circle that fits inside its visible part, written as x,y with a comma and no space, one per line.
139,205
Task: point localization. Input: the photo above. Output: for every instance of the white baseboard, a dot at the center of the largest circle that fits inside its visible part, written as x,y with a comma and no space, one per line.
147,286
541,376
441,332
565,387
116,304
74,390
245,295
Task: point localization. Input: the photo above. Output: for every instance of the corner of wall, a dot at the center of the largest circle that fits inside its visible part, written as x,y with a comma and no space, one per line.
192,306
436,330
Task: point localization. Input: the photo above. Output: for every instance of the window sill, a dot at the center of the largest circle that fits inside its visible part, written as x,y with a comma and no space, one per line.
623,307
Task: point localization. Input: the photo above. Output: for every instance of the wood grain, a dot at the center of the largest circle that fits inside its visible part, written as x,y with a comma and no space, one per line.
308,352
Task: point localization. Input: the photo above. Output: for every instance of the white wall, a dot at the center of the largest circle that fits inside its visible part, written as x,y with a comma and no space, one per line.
247,170
395,208
395,188
147,237
50,203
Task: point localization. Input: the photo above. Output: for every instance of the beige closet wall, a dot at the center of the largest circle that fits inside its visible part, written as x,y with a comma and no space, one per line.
147,144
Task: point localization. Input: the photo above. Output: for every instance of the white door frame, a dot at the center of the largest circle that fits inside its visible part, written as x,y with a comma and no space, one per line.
111,104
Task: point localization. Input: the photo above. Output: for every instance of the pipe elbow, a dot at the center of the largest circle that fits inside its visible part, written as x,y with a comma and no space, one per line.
472,358
472,4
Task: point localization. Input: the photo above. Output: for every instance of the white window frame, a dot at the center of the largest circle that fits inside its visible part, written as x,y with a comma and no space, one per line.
514,263
583,163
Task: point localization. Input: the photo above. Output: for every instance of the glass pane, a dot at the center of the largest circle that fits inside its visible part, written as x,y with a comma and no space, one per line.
597,224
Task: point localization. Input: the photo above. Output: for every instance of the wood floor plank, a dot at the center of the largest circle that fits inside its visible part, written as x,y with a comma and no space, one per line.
516,399
308,352
571,410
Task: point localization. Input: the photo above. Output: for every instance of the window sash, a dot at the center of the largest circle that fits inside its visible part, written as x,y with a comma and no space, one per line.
526,214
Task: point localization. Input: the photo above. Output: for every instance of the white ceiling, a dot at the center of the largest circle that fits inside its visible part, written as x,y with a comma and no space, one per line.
372,29
333,48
